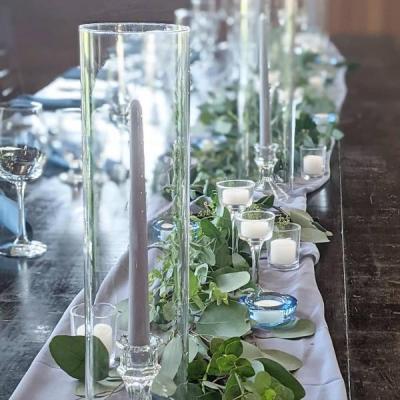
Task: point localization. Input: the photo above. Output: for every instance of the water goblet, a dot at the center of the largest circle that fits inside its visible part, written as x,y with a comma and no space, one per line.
69,135
236,195
255,227
23,142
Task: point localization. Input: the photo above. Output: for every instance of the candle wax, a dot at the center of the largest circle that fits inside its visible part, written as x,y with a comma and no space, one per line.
255,229
271,317
102,331
283,252
313,165
235,197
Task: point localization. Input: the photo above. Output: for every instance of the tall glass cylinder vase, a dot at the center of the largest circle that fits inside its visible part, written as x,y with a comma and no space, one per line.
248,18
135,85
283,62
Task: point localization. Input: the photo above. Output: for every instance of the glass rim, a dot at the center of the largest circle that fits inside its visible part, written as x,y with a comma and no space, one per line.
108,28
74,313
268,218
21,105
247,183
313,148
295,227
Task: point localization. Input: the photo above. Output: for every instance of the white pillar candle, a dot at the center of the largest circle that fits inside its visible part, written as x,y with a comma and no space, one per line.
103,332
313,165
235,197
283,252
270,317
255,229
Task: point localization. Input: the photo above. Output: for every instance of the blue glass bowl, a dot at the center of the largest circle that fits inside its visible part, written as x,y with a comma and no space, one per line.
270,309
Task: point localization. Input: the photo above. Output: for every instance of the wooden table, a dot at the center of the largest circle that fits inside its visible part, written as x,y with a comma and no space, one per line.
358,272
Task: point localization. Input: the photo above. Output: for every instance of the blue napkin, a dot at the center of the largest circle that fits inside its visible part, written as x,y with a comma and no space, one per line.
52,104
72,73
9,215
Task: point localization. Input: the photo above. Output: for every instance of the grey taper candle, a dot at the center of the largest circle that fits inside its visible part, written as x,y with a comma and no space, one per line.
265,111
138,287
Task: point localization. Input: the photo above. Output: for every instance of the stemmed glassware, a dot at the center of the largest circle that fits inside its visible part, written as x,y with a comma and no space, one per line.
23,142
69,135
236,196
266,159
255,227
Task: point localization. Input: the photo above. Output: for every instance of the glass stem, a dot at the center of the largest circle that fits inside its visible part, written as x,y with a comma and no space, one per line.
22,236
234,235
255,256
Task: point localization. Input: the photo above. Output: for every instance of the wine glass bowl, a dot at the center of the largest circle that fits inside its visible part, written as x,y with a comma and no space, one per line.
236,195
255,227
23,143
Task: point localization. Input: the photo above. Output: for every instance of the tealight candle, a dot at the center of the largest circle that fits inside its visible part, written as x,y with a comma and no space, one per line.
313,165
255,229
270,309
236,197
283,252
102,331
270,317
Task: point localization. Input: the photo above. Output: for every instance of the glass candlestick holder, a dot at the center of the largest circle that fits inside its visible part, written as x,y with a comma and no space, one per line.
284,249
236,196
266,159
138,367
313,162
255,227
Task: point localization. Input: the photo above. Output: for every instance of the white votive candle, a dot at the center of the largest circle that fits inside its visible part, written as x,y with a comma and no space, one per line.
270,317
313,165
255,229
101,331
283,252
235,197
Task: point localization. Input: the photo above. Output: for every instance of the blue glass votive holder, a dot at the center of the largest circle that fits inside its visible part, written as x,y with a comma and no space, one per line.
270,309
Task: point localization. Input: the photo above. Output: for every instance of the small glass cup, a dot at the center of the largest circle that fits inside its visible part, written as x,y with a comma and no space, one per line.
255,227
236,196
270,309
284,249
104,324
313,162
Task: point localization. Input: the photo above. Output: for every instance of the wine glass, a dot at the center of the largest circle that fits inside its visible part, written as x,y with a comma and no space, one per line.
236,195
23,142
69,135
255,227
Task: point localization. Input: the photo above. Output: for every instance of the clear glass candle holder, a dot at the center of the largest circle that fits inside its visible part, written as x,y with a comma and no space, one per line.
284,249
104,324
313,162
270,310
236,196
255,227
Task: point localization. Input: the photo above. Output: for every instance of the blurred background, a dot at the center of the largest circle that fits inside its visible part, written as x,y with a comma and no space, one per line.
39,38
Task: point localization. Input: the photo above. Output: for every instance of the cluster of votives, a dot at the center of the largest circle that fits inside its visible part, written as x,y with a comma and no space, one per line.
257,227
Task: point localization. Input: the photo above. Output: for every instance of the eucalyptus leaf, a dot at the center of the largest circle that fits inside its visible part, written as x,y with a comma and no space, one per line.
163,386
284,377
299,329
224,320
69,354
313,235
171,358
209,229
231,282
101,389
253,352
301,217
238,261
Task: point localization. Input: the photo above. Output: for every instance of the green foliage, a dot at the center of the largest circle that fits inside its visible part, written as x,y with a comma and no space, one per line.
69,354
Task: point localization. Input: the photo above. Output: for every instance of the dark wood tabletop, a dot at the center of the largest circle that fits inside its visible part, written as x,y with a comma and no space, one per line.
358,272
